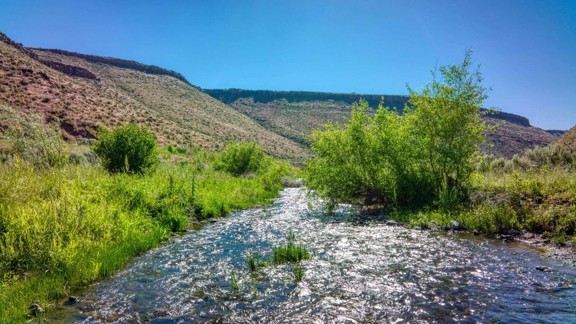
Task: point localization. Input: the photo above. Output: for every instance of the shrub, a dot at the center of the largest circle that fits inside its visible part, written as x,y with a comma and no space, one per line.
241,158
421,157
127,149
32,140
551,155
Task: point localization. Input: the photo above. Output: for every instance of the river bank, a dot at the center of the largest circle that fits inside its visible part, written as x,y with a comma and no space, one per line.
359,271
63,228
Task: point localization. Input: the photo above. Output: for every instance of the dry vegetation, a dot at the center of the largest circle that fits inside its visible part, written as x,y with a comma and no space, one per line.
511,139
568,139
176,112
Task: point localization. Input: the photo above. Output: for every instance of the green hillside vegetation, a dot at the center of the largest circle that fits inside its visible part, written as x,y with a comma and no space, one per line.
66,222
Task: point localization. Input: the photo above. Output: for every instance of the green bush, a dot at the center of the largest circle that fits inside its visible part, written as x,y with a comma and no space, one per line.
63,229
127,148
242,158
422,157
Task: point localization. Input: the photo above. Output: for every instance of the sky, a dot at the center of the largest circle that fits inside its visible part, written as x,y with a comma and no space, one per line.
526,48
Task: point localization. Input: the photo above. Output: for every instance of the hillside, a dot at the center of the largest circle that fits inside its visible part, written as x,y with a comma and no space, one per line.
568,139
82,93
294,114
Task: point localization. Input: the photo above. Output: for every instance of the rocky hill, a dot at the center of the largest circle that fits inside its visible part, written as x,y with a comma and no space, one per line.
82,93
568,139
294,114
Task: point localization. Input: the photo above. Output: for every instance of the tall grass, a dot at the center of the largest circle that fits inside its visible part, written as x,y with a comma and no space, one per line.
62,228
535,192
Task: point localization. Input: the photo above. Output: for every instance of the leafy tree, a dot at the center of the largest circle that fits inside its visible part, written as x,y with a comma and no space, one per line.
447,126
127,149
422,156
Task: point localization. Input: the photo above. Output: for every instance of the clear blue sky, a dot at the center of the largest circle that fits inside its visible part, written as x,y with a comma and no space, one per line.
527,49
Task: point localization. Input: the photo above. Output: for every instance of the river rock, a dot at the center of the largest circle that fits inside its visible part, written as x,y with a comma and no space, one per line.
392,223
159,313
35,310
528,236
543,268
453,226
433,226
71,301
512,232
87,308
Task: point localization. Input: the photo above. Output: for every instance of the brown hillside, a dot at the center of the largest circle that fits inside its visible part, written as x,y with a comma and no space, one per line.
510,138
296,120
568,139
82,95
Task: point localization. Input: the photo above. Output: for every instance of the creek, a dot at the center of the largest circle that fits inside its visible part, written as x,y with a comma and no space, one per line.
360,271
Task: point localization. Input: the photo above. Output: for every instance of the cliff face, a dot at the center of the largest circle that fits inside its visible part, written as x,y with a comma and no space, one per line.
126,64
393,101
81,93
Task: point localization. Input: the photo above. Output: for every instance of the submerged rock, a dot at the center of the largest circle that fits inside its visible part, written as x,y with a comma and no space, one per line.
71,301
159,313
392,223
87,308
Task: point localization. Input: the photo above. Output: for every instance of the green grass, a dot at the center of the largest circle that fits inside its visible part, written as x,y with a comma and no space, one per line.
298,272
63,228
541,200
254,262
286,253
290,252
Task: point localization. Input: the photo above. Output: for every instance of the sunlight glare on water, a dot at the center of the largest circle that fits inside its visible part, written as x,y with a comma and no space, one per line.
359,272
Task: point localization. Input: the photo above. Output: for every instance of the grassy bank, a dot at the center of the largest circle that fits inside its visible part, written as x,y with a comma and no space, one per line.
64,227
534,193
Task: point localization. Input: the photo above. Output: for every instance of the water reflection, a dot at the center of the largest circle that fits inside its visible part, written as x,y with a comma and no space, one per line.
359,273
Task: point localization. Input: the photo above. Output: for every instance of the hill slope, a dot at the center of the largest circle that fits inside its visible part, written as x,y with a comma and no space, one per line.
568,139
82,93
294,114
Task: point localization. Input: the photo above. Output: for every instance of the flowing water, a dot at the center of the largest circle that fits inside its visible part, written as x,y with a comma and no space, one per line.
360,272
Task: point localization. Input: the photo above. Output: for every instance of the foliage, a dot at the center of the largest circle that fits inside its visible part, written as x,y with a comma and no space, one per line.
298,271
127,148
254,262
242,158
32,140
63,229
550,156
420,157
447,126
536,200
290,252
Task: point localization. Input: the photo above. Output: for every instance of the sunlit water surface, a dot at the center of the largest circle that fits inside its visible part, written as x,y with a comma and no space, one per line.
360,272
